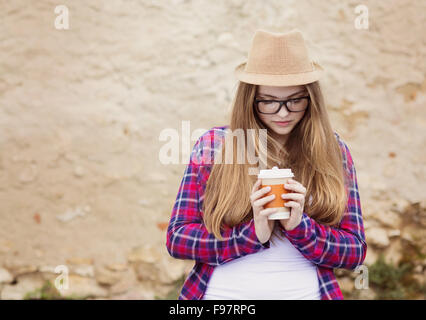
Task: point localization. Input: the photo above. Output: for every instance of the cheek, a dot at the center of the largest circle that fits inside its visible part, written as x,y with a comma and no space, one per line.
300,117
265,119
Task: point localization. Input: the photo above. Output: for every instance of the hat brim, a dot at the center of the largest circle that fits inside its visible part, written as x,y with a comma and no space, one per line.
276,79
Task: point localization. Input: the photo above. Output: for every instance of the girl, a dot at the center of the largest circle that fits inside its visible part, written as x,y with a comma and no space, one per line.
219,219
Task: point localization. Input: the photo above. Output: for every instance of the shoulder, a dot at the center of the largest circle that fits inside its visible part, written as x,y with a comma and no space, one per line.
207,144
211,138
213,134
346,154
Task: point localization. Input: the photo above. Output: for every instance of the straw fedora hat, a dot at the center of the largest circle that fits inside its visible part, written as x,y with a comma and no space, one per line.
278,59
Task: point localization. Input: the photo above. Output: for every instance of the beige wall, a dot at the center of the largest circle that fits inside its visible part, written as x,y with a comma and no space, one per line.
81,111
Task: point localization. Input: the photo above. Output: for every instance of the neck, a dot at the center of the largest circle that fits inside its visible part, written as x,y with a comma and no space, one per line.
281,138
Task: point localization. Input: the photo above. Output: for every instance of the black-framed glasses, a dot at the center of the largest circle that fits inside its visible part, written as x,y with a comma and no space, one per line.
274,106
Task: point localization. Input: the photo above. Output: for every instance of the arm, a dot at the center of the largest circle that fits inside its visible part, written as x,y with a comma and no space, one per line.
334,247
187,236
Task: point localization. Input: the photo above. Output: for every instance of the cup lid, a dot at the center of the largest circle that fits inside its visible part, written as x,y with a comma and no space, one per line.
275,172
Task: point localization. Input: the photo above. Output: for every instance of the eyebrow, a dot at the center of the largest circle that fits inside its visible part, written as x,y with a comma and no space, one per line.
292,95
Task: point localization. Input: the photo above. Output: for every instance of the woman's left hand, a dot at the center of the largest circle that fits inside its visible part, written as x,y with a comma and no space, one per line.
297,203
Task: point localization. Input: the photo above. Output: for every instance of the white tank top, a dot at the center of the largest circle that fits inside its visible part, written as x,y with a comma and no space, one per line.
277,273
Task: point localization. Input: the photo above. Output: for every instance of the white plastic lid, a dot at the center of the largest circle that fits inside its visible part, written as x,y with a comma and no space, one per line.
275,173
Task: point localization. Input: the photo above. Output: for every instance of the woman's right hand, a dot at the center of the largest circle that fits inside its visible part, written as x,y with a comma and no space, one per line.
263,226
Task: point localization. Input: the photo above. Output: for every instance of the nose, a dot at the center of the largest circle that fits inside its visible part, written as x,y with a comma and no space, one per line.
283,112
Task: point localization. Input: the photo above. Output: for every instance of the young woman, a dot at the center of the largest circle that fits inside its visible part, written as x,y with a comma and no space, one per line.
219,219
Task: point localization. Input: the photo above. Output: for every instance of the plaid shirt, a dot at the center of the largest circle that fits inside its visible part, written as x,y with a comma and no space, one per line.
328,247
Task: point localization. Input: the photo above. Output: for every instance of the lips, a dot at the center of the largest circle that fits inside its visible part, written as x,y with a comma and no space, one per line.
282,123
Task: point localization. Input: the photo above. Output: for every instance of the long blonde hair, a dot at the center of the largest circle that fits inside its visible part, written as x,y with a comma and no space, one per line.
311,151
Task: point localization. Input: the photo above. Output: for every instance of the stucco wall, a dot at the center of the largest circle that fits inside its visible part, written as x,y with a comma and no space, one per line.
81,111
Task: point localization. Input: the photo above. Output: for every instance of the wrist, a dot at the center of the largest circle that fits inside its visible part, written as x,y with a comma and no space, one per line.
261,239
298,231
294,226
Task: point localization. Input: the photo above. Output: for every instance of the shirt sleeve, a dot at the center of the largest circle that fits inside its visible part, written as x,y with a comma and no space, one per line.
187,236
334,247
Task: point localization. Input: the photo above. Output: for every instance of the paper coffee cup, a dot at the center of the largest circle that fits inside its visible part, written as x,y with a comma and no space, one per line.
276,178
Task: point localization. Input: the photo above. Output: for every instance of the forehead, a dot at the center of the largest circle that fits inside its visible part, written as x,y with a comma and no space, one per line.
279,91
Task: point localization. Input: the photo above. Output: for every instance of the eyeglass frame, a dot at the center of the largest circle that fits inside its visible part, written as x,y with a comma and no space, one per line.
281,102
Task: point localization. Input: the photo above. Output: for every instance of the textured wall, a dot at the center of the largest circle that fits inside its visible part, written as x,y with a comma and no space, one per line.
81,111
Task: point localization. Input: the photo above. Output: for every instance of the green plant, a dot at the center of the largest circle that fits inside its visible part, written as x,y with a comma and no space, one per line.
173,294
397,281
46,292
49,292
386,279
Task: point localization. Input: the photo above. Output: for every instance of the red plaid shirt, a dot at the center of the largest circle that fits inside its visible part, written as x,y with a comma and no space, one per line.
327,247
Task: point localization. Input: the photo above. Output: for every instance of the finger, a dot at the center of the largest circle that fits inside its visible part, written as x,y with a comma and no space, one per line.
293,212
295,187
292,204
259,193
262,201
267,212
293,196
294,217
256,185
294,181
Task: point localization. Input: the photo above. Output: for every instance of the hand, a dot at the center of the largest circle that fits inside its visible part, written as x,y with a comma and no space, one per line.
263,226
296,206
